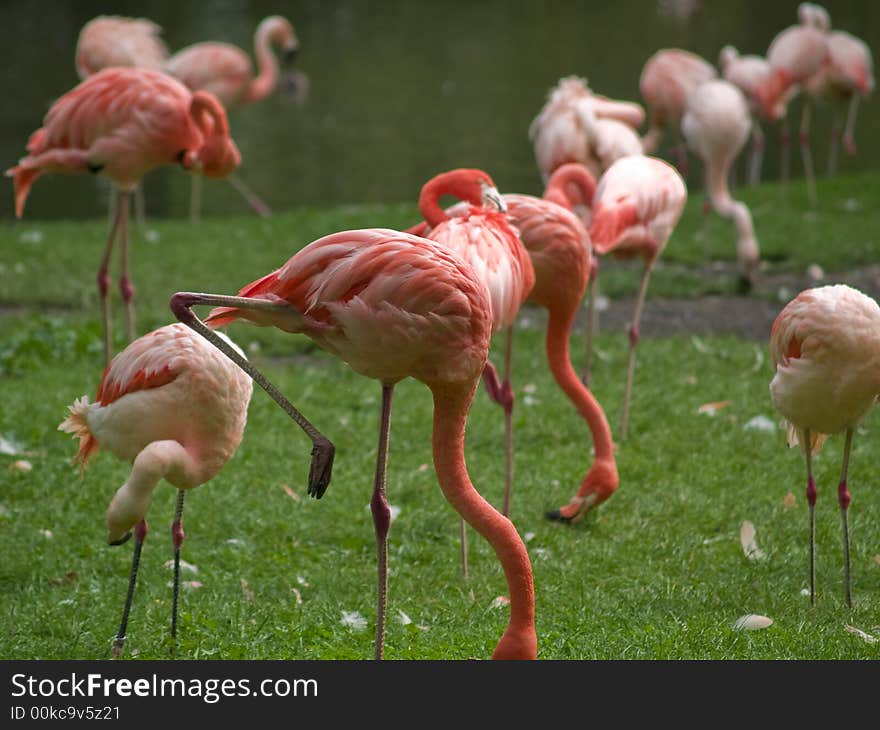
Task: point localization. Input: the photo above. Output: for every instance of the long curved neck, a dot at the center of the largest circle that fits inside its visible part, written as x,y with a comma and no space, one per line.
571,185
267,66
556,347
451,403
429,201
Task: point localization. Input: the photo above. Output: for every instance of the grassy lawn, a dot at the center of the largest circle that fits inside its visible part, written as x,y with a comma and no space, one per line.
657,572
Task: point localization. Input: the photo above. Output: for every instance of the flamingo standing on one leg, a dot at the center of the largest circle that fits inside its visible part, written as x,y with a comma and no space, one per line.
795,55
176,408
227,72
566,128
668,78
636,207
485,239
747,72
393,306
122,123
716,125
825,346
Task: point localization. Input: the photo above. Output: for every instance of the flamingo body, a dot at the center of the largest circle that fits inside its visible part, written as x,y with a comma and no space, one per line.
114,40
795,55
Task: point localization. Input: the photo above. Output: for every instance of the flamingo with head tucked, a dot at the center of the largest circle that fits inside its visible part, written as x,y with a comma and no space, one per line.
121,123
393,305
114,40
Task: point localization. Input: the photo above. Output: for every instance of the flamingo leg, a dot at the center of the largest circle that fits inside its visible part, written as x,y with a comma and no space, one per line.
195,198
507,404
849,141
126,289
811,500
140,206
382,518
806,154
835,142
323,449
253,200
140,534
757,154
464,548
633,341
844,497
784,152
104,277
592,319
177,536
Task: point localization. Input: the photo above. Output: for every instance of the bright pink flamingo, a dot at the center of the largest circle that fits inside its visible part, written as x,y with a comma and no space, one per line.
795,55
226,71
175,408
485,239
113,40
716,125
122,123
636,207
825,345
577,125
668,78
746,73
393,306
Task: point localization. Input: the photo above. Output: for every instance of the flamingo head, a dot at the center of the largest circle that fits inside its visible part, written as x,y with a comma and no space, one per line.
218,155
471,185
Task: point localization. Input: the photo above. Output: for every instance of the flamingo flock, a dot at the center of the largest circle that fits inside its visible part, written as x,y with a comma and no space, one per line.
425,303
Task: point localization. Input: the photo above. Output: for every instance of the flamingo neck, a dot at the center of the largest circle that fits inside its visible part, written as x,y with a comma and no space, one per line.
267,65
571,185
451,404
429,198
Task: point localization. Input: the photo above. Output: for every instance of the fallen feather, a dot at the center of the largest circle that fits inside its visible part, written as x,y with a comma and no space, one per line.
699,345
152,235
710,408
31,237
234,541
861,634
47,534
290,493
752,622
815,272
354,620
789,501
530,388
403,618
297,595
747,540
528,536
759,359
805,591
184,566
21,465
529,401
760,423
423,467
188,584
500,602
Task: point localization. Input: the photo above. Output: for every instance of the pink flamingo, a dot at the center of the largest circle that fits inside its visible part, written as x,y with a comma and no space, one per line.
795,55
226,71
175,408
559,248
577,125
746,73
716,125
485,239
668,78
393,306
844,80
121,123
636,207
823,345
113,40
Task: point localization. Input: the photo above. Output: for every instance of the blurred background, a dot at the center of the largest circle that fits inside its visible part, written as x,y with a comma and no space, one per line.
400,89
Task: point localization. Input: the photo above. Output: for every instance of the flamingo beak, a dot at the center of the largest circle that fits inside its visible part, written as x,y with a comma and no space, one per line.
492,197
289,55
122,540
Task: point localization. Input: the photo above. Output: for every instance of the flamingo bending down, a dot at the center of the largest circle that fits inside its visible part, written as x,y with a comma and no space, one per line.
826,349
746,73
636,207
114,40
795,55
175,408
667,79
122,123
227,72
566,128
393,306
716,126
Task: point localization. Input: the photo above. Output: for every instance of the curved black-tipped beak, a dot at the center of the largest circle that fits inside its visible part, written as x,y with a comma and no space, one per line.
122,540
556,516
289,55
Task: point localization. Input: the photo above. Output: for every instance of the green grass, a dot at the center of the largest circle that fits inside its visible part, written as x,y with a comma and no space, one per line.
655,573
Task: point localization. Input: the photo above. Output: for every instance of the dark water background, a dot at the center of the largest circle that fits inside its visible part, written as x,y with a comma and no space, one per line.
399,89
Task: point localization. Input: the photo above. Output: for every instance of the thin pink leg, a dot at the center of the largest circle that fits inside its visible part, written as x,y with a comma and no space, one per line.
126,289
806,153
633,341
811,501
844,498
104,278
382,518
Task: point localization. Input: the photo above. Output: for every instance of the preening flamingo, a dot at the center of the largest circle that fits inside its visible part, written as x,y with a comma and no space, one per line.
559,248
667,79
825,346
636,207
114,40
226,71
393,306
577,125
746,73
716,125
795,55
122,123
485,239
176,408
